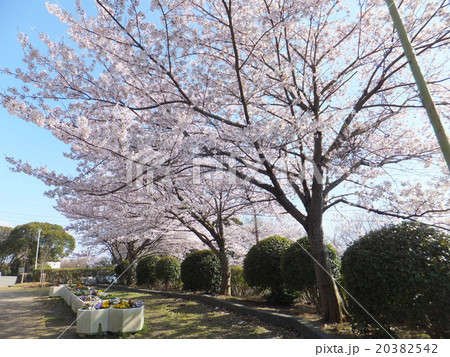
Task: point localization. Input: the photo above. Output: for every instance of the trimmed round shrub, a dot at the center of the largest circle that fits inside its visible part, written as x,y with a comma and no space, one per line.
200,271
262,269
401,275
168,271
262,264
145,270
298,267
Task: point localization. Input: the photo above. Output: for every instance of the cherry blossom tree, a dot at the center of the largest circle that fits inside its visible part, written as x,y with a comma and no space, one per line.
209,207
127,223
310,101
138,219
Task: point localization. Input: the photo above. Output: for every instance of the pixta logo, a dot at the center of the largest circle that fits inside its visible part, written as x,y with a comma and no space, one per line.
140,168
245,168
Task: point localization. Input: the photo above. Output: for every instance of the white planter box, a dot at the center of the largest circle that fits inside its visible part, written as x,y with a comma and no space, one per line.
76,304
91,322
65,294
126,320
56,290
71,301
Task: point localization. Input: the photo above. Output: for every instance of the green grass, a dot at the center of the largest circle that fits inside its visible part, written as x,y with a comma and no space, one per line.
177,318
167,318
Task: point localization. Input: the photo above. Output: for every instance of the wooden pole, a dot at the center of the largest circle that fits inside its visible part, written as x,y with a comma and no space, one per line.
425,94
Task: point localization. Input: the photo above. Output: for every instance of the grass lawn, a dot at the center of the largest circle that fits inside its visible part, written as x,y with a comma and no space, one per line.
171,318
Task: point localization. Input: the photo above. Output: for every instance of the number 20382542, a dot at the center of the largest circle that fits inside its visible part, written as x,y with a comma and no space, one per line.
410,348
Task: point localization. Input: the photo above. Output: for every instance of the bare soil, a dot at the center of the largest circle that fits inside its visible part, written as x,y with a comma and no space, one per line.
26,311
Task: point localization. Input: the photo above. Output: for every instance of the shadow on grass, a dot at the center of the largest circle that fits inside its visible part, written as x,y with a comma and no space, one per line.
49,317
58,316
178,318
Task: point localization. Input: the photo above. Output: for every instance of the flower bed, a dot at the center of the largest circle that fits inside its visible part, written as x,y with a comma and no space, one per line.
82,301
91,322
98,312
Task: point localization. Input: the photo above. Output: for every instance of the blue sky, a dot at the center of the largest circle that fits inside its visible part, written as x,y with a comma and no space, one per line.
21,196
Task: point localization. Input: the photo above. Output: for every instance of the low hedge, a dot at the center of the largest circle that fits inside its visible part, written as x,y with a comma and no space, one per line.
73,275
262,269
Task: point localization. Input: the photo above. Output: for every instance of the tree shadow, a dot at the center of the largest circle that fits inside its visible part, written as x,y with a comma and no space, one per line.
194,320
59,318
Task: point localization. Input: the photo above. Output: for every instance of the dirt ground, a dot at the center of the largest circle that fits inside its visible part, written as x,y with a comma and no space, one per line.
30,313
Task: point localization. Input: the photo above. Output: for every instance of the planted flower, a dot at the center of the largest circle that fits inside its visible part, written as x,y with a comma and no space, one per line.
127,304
98,306
137,303
105,305
89,298
105,296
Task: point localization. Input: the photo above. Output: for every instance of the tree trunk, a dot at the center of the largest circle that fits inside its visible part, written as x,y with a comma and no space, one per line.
331,303
225,273
131,275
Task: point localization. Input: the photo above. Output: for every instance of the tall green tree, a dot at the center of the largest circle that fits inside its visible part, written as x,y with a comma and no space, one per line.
54,243
4,234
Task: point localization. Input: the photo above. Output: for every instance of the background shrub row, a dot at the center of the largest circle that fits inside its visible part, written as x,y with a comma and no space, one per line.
158,272
399,273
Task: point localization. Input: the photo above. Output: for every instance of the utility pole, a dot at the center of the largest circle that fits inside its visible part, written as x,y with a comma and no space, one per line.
255,221
425,94
37,250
